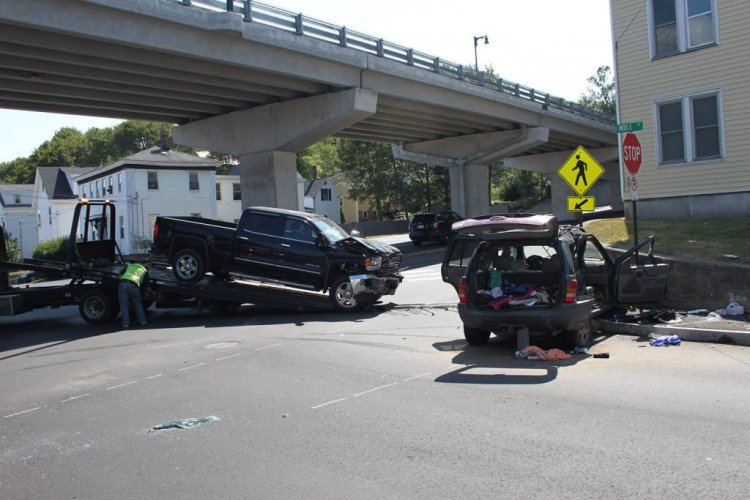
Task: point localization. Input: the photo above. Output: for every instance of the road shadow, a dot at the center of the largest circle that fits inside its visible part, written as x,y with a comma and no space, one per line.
45,328
497,364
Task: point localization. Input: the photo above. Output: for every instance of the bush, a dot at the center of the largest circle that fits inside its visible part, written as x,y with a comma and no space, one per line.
13,248
56,249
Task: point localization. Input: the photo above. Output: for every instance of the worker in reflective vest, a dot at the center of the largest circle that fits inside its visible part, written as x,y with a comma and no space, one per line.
131,281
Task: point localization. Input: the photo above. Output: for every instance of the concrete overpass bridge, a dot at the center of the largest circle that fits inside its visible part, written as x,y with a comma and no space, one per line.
261,83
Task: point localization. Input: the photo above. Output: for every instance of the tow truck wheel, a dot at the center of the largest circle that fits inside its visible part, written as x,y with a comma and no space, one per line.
342,295
97,307
188,265
582,337
475,336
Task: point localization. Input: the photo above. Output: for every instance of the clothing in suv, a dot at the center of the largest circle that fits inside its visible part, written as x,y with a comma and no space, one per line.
521,271
432,226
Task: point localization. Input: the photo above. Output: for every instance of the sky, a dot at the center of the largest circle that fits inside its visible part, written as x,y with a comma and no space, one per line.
549,45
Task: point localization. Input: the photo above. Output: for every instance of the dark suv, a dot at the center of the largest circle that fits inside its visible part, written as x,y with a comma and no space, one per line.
521,271
432,226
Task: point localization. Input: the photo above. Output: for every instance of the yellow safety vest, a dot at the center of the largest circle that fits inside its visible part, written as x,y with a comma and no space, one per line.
135,273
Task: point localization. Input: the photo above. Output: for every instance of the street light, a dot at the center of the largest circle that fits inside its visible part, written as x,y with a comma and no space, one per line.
476,41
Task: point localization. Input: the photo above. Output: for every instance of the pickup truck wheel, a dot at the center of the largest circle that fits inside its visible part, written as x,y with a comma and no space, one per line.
476,336
342,295
97,307
582,337
188,265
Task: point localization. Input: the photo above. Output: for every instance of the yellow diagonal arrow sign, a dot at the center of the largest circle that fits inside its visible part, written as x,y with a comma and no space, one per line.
581,203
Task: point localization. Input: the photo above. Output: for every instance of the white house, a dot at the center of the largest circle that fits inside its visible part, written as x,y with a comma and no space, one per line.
150,183
228,195
18,217
55,199
323,197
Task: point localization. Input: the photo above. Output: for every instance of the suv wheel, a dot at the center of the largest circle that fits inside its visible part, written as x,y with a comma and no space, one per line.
582,337
475,336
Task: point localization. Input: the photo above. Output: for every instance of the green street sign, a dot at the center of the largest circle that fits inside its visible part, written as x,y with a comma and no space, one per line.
629,127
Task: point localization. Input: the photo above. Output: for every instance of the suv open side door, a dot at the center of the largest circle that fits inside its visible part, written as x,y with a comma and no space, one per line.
639,279
457,257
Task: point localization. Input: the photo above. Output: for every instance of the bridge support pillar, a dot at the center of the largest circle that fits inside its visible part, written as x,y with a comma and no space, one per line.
265,179
470,194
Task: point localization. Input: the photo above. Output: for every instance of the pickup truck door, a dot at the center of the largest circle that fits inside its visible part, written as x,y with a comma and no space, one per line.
639,279
302,259
257,248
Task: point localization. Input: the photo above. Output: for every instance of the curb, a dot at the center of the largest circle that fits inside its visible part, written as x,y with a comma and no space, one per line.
685,333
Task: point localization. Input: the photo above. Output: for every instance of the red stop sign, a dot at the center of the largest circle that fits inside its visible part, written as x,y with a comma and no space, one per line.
631,153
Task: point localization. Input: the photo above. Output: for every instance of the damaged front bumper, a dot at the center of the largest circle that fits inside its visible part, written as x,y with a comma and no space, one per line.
369,284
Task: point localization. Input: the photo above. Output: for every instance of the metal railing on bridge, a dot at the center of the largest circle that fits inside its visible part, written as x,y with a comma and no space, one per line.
301,25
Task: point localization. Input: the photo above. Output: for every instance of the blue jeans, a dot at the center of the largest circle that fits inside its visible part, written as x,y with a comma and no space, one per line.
130,292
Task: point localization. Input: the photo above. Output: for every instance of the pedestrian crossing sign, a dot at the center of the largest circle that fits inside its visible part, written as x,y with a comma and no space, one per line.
581,171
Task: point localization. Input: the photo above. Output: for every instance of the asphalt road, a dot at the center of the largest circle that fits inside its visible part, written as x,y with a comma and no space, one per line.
389,403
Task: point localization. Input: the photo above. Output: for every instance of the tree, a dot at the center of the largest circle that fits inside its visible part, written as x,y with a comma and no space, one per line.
18,171
67,148
601,92
322,157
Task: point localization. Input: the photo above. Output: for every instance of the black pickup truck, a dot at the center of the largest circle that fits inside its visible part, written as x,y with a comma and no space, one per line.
287,247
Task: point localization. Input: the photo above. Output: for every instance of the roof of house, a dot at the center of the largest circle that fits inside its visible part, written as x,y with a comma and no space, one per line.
56,180
7,192
156,158
313,186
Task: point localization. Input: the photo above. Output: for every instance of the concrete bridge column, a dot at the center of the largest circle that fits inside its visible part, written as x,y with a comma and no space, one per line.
470,195
265,179
468,159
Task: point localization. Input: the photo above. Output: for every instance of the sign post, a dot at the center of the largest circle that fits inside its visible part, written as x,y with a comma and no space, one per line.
632,155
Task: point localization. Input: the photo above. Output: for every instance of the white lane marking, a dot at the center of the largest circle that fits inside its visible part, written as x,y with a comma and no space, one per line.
329,403
375,389
230,356
121,385
74,397
22,412
417,376
267,347
190,367
154,376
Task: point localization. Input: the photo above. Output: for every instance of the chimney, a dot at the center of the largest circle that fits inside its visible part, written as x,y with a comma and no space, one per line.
314,172
164,141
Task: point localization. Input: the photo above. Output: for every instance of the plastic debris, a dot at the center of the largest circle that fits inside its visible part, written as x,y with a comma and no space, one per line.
579,350
604,355
699,312
187,423
712,316
666,340
734,309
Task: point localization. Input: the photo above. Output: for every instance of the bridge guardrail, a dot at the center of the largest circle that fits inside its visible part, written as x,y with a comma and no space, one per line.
301,25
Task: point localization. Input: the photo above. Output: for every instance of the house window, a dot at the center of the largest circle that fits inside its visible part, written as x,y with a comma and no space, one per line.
194,182
325,194
236,192
39,219
109,185
689,128
681,25
218,191
17,199
49,211
97,189
119,182
153,180
122,227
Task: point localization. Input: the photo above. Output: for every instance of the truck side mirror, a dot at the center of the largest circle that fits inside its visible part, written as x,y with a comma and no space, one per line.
321,241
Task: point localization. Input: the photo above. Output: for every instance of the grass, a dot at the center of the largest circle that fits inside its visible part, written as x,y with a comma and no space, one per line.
706,239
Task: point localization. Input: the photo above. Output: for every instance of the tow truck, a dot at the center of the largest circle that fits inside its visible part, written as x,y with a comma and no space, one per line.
90,273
